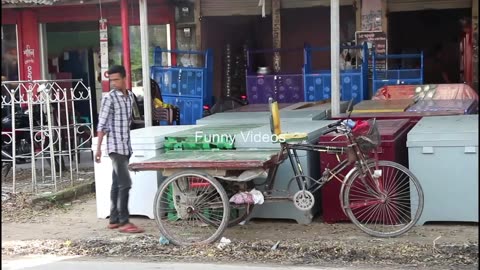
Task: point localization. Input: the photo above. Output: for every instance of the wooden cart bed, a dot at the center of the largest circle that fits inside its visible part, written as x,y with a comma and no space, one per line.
223,159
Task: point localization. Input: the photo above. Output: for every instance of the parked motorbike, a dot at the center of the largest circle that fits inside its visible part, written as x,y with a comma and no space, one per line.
23,142
225,104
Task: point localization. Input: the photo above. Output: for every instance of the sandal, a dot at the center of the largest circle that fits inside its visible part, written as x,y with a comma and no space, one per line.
130,228
113,226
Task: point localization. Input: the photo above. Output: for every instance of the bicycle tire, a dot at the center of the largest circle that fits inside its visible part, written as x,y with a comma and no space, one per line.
158,214
347,197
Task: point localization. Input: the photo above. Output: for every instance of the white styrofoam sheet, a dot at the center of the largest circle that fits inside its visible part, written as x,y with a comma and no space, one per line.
261,117
149,137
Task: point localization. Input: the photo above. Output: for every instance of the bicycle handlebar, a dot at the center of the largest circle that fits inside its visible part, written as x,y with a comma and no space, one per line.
335,124
330,130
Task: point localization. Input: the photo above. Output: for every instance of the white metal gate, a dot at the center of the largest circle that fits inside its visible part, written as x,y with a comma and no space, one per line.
41,127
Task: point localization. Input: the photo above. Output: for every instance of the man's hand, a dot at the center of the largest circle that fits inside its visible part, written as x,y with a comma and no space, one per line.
98,156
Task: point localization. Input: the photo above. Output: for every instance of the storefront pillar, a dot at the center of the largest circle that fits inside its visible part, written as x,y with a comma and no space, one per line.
475,44
126,41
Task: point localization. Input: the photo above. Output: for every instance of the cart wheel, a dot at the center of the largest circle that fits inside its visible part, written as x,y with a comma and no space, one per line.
191,208
385,204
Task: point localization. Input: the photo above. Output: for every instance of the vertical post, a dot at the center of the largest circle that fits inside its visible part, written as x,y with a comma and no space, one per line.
42,30
126,41
358,15
198,30
147,94
335,54
169,46
384,18
276,32
475,44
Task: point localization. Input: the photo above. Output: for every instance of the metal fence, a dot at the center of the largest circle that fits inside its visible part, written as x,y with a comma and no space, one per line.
42,127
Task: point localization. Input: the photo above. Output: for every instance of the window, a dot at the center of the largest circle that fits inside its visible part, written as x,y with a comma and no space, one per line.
9,52
157,37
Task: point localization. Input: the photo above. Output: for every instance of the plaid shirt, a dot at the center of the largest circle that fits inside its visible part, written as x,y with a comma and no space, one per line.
114,120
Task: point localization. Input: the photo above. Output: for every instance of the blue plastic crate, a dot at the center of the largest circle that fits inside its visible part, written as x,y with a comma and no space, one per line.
318,87
353,82
179,81
191,109
189,88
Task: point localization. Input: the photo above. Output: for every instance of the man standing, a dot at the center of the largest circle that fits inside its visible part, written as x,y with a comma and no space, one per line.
114,121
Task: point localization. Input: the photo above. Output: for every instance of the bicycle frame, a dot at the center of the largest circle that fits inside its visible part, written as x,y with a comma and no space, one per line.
289,150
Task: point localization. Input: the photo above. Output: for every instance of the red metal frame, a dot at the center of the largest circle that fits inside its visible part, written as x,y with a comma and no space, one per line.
126,41
160,12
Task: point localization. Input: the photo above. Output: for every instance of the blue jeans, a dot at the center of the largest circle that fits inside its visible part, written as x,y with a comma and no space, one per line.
121,184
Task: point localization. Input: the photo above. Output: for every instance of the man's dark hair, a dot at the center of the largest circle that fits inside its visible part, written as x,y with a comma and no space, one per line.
117,69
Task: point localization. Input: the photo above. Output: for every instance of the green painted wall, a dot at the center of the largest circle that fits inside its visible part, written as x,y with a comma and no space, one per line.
58,42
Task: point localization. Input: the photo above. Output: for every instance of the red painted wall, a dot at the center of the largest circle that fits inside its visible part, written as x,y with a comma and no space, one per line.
158,13
9,16
27,21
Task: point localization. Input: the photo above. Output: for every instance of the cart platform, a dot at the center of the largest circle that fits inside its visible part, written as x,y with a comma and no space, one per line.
224,159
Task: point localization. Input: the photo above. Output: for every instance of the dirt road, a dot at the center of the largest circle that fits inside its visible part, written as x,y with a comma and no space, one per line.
76,230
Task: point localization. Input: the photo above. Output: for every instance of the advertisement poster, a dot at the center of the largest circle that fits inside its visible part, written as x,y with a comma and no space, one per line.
376,40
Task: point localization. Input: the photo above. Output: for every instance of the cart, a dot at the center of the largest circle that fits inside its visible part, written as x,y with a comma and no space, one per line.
207,191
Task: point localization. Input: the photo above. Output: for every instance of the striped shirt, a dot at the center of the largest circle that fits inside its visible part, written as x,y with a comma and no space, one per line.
114,120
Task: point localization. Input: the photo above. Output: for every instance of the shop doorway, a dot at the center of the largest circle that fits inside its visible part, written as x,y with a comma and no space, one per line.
73,53
436,33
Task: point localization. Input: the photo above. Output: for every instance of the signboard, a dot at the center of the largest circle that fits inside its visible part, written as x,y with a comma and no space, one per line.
376,40
29,56
104,55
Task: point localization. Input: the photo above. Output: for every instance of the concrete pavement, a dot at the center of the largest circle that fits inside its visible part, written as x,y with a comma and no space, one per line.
77,263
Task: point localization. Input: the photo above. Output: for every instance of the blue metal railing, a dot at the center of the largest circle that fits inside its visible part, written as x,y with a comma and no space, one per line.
395,76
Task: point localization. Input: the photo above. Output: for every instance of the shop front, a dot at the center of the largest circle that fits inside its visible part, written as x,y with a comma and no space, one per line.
62,41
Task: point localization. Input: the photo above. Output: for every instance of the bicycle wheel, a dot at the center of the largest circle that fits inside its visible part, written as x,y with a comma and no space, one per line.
191,208
386,205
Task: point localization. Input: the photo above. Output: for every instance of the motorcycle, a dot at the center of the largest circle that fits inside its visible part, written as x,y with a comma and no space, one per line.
225,104
23,142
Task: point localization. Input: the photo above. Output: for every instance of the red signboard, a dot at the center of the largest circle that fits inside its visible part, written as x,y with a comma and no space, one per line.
29,47
104,54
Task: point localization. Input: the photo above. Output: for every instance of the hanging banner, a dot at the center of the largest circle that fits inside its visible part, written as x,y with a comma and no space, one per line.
31,69
104,54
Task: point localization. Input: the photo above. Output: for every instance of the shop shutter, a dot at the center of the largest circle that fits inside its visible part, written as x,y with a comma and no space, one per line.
412,5
250,7
312,3
233,7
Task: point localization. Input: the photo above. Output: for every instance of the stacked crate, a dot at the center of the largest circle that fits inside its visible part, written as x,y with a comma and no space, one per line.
188,88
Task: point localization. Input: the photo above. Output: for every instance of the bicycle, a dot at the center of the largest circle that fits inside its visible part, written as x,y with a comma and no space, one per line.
382,198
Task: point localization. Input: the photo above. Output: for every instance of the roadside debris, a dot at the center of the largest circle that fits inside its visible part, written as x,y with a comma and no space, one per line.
223,243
